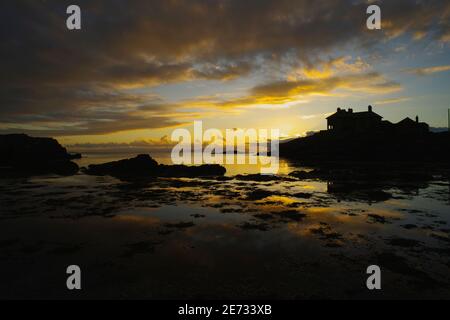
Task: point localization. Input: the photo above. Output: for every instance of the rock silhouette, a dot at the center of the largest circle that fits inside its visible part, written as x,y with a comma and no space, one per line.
144,166
20,153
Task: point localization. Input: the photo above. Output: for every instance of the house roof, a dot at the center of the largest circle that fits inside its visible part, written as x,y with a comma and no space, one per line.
354,115
407,121
410,122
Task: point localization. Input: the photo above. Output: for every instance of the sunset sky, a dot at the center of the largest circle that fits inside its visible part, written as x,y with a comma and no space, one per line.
139,69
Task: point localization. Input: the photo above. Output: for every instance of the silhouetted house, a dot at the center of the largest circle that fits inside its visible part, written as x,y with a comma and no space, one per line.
408,126
349,122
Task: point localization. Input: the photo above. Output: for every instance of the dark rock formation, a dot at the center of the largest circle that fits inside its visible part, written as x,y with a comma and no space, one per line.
22,154
329,146
73,156
143,166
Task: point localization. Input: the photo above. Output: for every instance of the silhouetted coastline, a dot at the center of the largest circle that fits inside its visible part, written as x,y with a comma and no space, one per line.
143,167
22,154
364,137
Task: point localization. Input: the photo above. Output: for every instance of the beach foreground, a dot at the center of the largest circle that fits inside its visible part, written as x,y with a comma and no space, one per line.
245,236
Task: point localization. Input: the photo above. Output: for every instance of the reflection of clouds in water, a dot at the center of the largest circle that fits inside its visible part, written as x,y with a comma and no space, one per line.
227,227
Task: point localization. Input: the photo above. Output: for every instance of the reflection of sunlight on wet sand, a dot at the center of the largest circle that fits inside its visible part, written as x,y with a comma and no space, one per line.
135,218
309,187
215,199
235,169
344,221
282,200
318,186
298,229
318,210
332,222
338,211
386,213
399,203
334,215
340,234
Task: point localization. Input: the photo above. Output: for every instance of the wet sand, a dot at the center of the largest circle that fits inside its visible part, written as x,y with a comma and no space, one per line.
235,237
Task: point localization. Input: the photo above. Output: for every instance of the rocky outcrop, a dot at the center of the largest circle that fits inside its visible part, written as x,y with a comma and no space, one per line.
143,166
22,154
327,146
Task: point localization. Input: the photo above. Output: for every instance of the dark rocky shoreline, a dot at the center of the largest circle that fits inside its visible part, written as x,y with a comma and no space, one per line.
22,154
325,146
143,167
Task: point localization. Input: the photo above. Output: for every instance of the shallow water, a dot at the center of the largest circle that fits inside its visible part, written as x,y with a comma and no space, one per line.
206,238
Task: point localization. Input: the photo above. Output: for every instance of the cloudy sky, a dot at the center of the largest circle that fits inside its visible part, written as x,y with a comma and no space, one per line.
138,69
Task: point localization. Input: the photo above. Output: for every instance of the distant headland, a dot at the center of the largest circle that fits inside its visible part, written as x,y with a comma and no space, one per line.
23,155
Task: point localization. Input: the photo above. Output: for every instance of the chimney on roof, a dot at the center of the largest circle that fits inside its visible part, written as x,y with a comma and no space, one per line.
370,108
338,109
350,110
417,119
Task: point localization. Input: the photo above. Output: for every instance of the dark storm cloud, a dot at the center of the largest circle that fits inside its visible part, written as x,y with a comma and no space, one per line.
51,74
